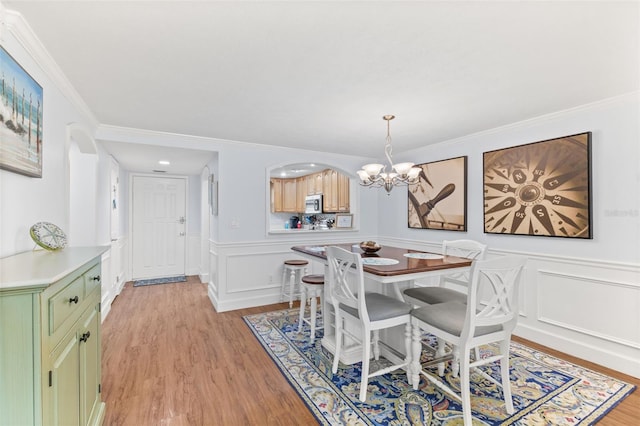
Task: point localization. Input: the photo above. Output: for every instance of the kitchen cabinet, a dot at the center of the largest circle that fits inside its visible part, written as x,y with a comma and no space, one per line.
343,193
276,195
284,196
336,192
289,194
330,190
50,338
315,183
301,193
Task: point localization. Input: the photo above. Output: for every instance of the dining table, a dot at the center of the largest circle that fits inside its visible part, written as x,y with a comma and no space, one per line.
390,271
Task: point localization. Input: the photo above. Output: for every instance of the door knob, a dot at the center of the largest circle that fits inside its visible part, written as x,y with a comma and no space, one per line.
182,220
182,234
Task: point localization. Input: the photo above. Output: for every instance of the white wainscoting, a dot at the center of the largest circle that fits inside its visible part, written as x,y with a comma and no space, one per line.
584,307
106,284
587,308
249,274
212,285
113,273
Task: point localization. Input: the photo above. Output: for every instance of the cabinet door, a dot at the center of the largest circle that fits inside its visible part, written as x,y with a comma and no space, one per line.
311,184
64,390
330,188
343,193
276,195
89,345
301,193
289,196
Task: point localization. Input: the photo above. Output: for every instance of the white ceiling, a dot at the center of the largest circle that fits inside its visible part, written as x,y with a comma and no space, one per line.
320,75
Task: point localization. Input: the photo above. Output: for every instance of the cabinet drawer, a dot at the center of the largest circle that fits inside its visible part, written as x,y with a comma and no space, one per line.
92,280
65,303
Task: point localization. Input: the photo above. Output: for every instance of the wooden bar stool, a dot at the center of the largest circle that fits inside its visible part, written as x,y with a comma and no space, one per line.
311,287
292,272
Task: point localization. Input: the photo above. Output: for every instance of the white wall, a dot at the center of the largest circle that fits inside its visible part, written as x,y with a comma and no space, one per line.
25,200
580,296
615,181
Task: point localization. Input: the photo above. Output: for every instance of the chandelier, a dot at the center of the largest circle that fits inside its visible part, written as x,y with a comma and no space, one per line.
375,175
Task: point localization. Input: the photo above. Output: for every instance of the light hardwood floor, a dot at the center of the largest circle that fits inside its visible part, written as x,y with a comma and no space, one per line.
170,359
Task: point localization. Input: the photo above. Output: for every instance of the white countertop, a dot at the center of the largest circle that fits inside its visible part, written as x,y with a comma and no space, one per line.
311,231
42,268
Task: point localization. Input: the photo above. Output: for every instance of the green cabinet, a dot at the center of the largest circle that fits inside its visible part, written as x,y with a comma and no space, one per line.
64,387
50,338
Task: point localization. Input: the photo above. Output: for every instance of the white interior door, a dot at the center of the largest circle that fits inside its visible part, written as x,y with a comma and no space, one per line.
159,224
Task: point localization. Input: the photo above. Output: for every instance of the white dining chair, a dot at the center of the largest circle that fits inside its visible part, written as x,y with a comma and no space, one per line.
470,325
431,295
451,287
374,311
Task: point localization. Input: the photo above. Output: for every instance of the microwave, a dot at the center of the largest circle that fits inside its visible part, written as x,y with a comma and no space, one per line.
313,204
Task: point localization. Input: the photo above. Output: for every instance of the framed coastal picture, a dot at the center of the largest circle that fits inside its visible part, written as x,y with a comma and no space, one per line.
21,106
439,199
540,189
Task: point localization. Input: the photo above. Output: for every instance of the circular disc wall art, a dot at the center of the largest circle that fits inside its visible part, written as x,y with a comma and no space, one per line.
48,236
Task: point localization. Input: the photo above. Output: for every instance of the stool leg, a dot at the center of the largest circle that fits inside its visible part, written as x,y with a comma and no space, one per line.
314,308
283,283
303,305
321,297
292,279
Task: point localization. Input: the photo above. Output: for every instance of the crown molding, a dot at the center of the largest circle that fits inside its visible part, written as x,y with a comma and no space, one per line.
19,28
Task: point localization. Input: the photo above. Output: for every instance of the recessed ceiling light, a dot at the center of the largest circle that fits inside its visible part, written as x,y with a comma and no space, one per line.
164,162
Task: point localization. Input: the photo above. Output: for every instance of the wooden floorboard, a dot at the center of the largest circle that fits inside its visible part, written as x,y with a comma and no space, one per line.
168,358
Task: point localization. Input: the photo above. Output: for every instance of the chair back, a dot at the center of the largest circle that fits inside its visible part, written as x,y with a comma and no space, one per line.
497,281
346,280
469,249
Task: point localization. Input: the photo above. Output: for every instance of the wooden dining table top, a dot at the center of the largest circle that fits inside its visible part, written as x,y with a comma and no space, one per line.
409,261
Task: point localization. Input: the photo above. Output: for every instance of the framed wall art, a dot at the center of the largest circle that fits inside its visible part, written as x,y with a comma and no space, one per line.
439,199
344,220
20,119
542,188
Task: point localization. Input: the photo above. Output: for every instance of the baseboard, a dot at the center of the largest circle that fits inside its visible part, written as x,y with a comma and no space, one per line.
597,354
232,305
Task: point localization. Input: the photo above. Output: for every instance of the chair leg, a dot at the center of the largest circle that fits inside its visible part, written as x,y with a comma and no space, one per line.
455,362
376,344
312,320
303,305
504,372
336,355
465,389
416,352
407,351
366,355
439,354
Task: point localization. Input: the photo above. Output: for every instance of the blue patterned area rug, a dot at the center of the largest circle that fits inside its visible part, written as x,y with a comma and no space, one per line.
546,390
164,280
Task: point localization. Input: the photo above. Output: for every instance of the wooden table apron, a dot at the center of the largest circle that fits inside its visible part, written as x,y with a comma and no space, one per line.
387,279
